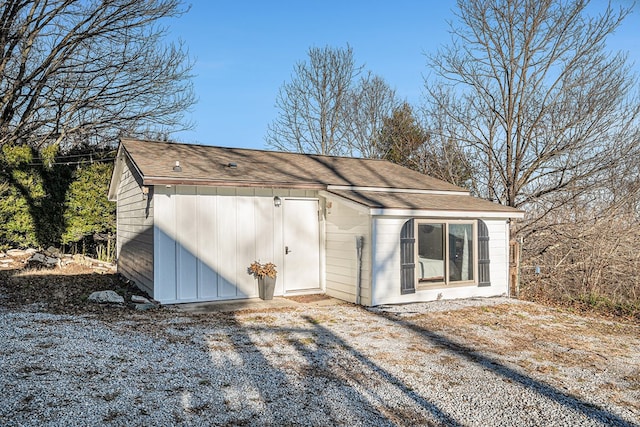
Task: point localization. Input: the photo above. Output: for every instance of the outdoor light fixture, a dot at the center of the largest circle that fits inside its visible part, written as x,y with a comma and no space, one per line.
277,202
177,167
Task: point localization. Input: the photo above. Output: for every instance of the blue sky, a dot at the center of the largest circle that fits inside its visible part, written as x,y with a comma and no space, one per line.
245,50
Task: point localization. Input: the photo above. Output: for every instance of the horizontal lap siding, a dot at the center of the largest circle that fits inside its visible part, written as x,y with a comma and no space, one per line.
343,224
135,230
386,272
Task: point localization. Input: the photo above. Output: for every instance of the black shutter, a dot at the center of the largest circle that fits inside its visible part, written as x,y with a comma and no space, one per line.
484,278
407,259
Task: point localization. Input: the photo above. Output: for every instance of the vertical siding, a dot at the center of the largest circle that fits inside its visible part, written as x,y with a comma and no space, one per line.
387,268
135,230
206,238
207,244
343,225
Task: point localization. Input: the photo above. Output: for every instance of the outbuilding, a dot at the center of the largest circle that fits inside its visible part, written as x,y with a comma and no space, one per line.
192,218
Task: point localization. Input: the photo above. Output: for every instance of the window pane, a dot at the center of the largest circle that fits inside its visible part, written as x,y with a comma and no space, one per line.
460,252
431,253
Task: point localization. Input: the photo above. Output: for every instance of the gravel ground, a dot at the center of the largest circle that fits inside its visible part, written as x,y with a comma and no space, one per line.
471,363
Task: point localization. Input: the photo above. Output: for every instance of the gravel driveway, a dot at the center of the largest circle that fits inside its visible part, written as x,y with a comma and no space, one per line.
472,363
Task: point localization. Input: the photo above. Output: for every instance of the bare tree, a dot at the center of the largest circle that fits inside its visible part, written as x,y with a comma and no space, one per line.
89,70
372,102
529,89
312,106
325,109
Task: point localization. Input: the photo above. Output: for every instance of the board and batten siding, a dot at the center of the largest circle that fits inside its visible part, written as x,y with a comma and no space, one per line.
135,229
343,225
206,238
386,271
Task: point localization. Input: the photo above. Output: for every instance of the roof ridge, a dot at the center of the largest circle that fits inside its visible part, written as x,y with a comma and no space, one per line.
261,150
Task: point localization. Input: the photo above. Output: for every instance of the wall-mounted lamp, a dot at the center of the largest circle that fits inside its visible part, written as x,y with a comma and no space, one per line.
145,192
177,167
277,202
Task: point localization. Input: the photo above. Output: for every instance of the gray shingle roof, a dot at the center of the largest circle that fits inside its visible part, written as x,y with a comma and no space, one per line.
349,178
421,201
207,164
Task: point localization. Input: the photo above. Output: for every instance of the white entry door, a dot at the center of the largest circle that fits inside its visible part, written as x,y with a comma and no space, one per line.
301,245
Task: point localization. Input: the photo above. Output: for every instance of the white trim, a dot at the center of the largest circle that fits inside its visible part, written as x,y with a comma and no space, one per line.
396,190
444,213
350,203
116,176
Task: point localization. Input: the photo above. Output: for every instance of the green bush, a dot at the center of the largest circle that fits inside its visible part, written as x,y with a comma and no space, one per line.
56,200
87,210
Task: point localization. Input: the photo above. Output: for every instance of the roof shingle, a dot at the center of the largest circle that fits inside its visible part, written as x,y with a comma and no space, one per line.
368,182
207,164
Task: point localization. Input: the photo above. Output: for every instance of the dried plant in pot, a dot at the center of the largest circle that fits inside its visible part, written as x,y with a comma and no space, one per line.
266,275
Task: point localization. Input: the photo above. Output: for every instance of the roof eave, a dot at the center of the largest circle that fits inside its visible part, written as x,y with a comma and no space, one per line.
155,180
447,213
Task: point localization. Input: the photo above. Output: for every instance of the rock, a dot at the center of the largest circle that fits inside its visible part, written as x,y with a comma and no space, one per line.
2,255
31,251
82,260
53,252
140,300
44,260
110,297
144,307
16,252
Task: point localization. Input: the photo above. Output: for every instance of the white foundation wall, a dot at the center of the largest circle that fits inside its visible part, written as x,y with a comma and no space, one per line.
206,238
342,225
386,265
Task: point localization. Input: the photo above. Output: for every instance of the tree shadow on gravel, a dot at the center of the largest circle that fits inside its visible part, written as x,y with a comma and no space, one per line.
465,352
333,386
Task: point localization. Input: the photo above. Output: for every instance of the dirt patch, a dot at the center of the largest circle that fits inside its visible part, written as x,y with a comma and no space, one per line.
62,290
306,299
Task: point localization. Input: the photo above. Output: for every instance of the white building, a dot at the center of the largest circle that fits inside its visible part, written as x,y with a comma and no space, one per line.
191,219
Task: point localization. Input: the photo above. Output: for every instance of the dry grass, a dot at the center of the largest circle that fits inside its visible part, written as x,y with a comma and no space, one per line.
547,342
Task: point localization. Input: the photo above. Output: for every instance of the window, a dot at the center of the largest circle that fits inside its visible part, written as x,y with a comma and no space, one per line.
443,252
446,252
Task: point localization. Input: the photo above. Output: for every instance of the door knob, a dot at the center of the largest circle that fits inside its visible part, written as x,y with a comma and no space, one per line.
286,250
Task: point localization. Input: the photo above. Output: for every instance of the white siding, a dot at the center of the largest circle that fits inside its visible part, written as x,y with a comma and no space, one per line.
135,230
343,225
206,238
386,271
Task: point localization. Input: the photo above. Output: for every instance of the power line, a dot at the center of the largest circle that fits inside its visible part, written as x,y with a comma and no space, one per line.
108,159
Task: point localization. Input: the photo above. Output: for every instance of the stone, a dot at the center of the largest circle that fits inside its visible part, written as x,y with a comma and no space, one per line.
2,255
16,252
31,251
144,307
139,299
110,297
44,260
53,252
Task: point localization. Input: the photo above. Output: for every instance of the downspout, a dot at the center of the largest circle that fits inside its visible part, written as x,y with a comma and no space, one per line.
359,244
